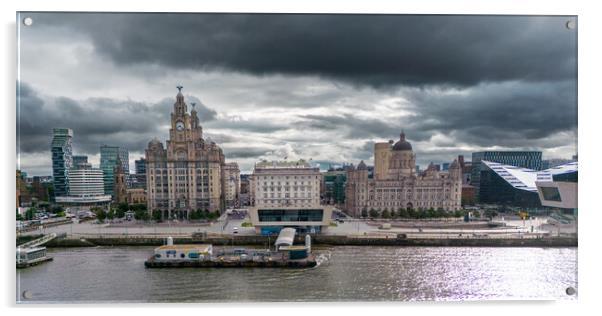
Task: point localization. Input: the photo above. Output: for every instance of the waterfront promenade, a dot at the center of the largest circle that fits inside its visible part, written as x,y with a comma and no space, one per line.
351,231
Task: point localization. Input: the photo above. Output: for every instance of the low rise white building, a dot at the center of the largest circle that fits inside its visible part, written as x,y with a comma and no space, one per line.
287,194
86,187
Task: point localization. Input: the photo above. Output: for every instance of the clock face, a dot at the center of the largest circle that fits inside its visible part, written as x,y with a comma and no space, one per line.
179,126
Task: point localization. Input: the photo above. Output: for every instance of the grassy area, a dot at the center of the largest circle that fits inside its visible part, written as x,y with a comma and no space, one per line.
246,224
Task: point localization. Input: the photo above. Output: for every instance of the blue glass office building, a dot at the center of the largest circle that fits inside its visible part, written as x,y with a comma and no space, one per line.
109,156
62,159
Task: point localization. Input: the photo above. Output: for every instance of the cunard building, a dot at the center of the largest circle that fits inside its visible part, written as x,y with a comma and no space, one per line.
395,183
186,174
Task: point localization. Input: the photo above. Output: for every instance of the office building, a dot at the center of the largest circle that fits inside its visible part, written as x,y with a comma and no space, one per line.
287,194
79,159
109,157
333,187
139,179
86,188
62,159
244,196
186,175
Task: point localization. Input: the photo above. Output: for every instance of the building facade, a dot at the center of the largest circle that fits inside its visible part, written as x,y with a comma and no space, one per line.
396,184
86,188
139,179
245,188
287,194
79,159
186,174
109,158
62,159
333,187
522,159
231,179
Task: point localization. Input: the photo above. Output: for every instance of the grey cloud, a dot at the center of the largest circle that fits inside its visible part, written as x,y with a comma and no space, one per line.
245,152
95,121
374,50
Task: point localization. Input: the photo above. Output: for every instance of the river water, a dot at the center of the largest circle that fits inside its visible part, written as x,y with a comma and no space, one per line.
346,273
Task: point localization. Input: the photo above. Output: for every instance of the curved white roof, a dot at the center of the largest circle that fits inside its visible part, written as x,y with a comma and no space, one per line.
523,178
286,237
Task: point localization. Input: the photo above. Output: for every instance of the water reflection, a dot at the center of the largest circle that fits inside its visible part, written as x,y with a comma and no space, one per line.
346,274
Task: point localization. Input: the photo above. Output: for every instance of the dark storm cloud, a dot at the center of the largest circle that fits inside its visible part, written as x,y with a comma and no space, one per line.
245,152
511,114
95,121
375,50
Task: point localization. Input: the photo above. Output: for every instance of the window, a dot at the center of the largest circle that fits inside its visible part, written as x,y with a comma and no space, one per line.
551,194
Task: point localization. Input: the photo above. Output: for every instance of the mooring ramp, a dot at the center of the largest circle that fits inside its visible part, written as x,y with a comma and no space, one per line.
38,242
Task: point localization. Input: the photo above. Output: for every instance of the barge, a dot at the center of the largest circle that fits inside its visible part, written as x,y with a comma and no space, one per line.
285,255
27,257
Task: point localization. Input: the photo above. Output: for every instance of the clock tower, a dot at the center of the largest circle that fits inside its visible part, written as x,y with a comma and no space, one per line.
185,176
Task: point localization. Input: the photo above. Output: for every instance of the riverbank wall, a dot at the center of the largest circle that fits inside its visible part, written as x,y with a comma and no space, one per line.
317,240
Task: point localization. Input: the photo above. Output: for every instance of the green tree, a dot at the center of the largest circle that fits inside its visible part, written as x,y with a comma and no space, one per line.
402,213
121,209
386,214
157,216
61,214
57,209
490,214
364,213
19,217
141,214
30,213
412,212
373,213
101,214
111,214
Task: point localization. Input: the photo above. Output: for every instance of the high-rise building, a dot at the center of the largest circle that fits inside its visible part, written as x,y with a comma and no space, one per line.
86,187
231,179
78,159
333,187
397,185
522,159
139,180
62,159
287,194
109,158
187,175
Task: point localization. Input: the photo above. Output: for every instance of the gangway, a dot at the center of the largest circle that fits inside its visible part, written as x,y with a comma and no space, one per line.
38,242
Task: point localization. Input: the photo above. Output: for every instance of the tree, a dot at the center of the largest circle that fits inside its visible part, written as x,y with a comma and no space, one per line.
490,214
101,214
364,213
374,213
57,209
430,213
30,213
141,215
157,216
386,214
111,214
412,212
19,217
402,213
121,209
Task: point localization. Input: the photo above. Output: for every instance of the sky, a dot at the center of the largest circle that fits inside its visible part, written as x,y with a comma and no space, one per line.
320,87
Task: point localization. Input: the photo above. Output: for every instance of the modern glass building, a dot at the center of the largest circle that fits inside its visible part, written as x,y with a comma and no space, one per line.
80,159
523,159
334,187
109,156
514,186
62,159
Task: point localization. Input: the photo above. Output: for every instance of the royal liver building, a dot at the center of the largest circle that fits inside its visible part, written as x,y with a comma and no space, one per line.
395,184
187,175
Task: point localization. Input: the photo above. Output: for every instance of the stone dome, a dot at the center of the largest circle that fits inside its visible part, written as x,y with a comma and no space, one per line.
402,144
362,166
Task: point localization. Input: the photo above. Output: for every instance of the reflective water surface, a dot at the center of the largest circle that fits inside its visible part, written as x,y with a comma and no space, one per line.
346,273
